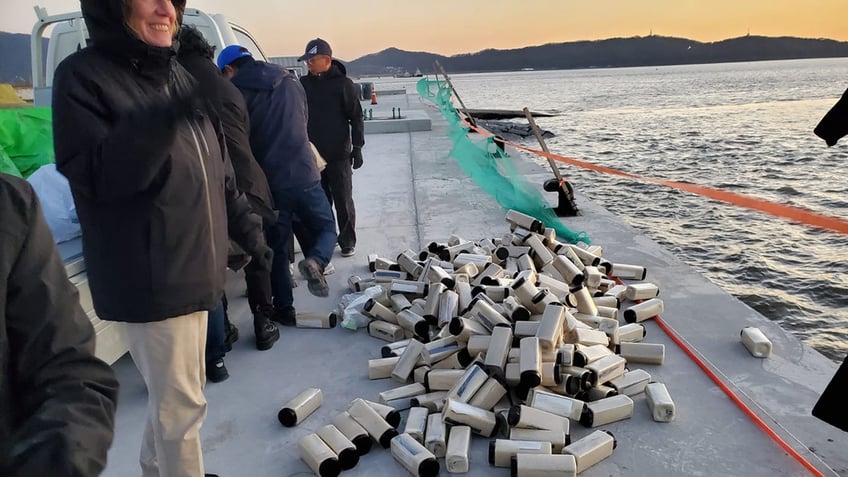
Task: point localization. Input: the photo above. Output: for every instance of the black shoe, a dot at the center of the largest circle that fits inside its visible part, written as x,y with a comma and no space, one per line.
314,275
284,316
232,336
348,251
216,371
266,332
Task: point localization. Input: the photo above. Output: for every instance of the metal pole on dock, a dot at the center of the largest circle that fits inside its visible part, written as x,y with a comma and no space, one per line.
542,143
461,104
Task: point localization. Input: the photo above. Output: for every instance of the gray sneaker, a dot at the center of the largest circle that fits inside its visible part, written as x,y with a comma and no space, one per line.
314,276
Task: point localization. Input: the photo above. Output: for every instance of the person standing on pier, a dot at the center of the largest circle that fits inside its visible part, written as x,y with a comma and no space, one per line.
278,115
197,56
337,129
157,201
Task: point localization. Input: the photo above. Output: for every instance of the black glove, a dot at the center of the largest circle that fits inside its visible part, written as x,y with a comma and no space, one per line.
356,157
263,256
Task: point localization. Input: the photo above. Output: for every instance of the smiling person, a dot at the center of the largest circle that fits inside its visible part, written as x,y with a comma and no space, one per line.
156,201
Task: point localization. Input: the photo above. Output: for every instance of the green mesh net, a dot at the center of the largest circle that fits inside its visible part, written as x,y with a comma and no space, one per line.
26,140
490,168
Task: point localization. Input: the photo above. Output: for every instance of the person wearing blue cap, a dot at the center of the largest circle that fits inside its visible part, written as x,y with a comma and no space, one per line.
337,129
278,112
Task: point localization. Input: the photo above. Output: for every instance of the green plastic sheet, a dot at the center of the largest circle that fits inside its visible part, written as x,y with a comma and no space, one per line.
490,168
26,140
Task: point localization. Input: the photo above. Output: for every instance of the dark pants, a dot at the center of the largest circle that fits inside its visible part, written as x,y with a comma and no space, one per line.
337,181
311,206
216,334
259,290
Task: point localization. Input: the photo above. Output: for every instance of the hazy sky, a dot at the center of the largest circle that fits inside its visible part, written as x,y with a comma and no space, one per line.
355,28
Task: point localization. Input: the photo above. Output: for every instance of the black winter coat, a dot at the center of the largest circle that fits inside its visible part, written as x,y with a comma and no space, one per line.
335,113
229,104
57,401
148,170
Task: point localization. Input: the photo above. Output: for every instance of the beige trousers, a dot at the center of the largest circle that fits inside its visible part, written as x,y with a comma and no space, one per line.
170,356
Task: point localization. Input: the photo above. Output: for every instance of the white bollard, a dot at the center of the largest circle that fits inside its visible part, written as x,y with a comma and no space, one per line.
354,432
318,456
435,439
659,402
643,353
501,451
756,342
342,446
643,311
591,449
459,443
534,465
295,411
414,457
368,418
607,410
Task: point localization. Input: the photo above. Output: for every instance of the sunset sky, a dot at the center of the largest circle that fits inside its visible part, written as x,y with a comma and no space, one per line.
356,28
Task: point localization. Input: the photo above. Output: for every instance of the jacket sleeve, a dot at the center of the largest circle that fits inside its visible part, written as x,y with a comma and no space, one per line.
353,108
106,159
65,396
243,226
834,124
250,178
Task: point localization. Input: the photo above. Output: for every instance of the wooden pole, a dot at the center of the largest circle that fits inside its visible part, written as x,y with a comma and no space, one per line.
461,104
541,140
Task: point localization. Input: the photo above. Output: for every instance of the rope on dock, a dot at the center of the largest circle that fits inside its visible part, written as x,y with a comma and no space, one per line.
713,375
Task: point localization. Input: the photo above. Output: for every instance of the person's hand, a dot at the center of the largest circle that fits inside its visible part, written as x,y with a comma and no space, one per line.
264,257
356,157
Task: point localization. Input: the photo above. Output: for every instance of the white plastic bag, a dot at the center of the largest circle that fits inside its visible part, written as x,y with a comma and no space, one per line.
351,307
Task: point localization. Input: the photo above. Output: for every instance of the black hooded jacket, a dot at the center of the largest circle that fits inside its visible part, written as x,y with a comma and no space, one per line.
232,110
148,169
335,114
57,401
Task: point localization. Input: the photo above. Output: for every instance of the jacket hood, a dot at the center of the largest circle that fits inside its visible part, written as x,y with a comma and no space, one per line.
109,32
259,75
336,70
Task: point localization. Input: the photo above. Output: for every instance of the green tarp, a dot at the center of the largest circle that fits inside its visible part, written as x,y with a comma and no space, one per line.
26,140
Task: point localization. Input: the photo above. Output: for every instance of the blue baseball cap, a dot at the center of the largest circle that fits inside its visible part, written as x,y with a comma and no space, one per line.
316,47
230,54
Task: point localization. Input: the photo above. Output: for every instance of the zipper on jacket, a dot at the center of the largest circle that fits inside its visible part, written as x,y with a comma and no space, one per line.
194,135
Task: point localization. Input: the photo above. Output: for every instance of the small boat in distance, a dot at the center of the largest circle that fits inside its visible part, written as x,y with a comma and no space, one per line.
528,69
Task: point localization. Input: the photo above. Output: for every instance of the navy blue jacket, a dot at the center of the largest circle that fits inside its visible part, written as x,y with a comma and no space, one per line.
278,116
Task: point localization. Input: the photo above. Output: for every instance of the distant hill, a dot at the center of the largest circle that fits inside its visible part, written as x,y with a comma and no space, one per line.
15,58
613,52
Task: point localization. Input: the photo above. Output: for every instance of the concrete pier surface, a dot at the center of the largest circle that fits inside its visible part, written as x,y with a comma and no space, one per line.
409,193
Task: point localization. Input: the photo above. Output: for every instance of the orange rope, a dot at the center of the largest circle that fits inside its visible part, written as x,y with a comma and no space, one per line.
733,397
796,214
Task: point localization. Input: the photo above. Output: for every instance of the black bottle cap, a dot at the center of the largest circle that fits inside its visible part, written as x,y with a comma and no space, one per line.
428,468
386,438
287,417
329,468
363,444
348,458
